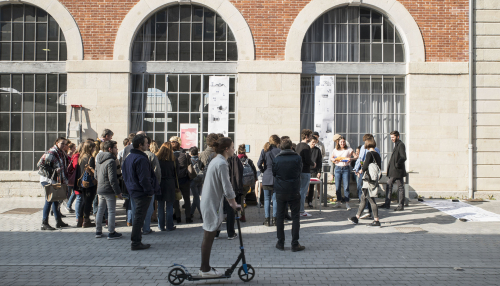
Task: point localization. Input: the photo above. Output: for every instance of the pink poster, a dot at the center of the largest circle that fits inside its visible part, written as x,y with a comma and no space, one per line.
189,135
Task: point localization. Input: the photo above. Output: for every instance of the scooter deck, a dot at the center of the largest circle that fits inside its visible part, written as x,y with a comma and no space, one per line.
196,278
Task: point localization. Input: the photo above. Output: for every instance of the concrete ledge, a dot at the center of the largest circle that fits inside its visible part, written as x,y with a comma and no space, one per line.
269,67
438,68
99,66
33,67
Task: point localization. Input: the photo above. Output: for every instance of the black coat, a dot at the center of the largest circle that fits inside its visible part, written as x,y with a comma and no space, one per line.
287,168
265,164
396,167
236,174
317,158
168,181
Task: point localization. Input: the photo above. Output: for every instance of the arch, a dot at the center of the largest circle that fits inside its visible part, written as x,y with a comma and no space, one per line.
395,11
145,8
66,22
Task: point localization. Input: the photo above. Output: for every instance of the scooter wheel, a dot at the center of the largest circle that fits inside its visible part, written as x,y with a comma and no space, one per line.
176,276
244,276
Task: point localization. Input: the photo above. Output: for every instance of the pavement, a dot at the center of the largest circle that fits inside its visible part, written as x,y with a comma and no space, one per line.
419,246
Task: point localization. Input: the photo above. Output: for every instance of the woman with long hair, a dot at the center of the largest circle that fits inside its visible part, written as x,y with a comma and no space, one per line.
73,161
265,165
86,163
341,157
169,185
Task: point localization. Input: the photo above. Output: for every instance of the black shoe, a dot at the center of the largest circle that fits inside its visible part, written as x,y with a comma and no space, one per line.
298,247
46,226
266,222
184,206
353,219
52,213
280,246
288,217
274,221
60,224
60,214
140,247
174,216
375,223
384,206
189,220
399,208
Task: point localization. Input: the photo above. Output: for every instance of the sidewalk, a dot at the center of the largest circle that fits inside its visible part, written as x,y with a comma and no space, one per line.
419,246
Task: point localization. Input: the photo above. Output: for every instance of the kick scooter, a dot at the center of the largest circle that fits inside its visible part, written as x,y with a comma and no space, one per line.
246,272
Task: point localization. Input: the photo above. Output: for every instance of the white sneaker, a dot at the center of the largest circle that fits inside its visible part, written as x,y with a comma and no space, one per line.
337,205
365,215
304,214
347,206
211,273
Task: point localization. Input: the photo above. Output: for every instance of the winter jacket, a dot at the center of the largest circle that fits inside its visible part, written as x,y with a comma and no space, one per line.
244,157
54,160
106,176
182,171
304,151
317,158
265,164
236,174
287,168
396,167
168,181
138,176
204,156
87,160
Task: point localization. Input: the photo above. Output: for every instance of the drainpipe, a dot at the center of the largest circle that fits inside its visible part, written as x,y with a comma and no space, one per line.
471,90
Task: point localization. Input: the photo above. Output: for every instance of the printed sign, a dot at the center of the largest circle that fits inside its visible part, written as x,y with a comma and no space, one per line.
189,135
218,105
324,103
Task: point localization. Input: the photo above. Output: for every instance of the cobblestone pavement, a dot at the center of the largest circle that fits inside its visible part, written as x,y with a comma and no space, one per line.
337,252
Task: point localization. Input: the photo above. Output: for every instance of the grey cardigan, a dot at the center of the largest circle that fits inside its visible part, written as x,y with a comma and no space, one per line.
105,174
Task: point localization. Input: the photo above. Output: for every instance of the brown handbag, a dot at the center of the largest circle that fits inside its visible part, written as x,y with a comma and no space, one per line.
55,192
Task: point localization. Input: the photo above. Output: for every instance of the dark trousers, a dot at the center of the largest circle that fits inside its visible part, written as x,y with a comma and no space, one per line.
293,200
310,196
186,195
401,191
88,197
141,209
229,211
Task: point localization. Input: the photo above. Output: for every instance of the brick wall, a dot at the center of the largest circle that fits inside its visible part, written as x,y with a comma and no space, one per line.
444,25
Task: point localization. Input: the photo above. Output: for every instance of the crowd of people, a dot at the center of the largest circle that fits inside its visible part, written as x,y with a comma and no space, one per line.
154,179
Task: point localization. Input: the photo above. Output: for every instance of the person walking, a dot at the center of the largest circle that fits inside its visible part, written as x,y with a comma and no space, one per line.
396,171
370,187
359,178
108,188
183,177
86,164
249,177
265,165
141,184
169,186
196,183
287,173
341,157
53,168
304,151
317,158
217,186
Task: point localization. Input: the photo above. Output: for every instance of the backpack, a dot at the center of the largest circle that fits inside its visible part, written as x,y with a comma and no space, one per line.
248,175
87,179
200,175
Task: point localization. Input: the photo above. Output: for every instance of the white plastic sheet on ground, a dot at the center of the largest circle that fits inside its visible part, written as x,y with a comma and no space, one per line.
463,210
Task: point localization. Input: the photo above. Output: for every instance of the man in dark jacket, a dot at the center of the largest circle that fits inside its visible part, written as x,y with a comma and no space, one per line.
108,188
236,177
141,184
184,181
287,169
304,151
396,171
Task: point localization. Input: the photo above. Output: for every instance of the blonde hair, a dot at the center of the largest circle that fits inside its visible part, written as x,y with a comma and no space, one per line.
97,147
153,147
267,146
87,148
176,138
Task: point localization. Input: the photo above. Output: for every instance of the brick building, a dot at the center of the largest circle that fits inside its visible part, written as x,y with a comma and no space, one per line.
144,65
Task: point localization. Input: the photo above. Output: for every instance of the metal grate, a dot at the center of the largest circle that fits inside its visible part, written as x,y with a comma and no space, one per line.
24,211
410,229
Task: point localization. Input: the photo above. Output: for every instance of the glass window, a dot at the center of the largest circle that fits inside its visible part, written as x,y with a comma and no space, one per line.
29,38
160,113
352,34
184,33
30,121
363,104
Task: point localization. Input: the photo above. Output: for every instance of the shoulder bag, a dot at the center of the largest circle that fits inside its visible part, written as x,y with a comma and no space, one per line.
55,192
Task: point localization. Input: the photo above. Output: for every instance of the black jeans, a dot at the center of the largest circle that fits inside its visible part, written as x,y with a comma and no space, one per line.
229,211
293,200
141,209
88,197
310,195
186,195
401,191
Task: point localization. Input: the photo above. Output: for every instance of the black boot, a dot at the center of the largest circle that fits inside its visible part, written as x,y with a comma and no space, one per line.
266,221
46,225
60,223
274,221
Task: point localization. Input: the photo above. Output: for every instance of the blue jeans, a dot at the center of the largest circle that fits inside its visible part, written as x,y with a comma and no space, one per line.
267,203
196,191
305,179
342,178
47,206
168,208
72,197
130,213
147,220
78,205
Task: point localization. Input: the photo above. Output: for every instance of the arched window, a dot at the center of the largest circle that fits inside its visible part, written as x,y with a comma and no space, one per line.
32,104
364,53
170,77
